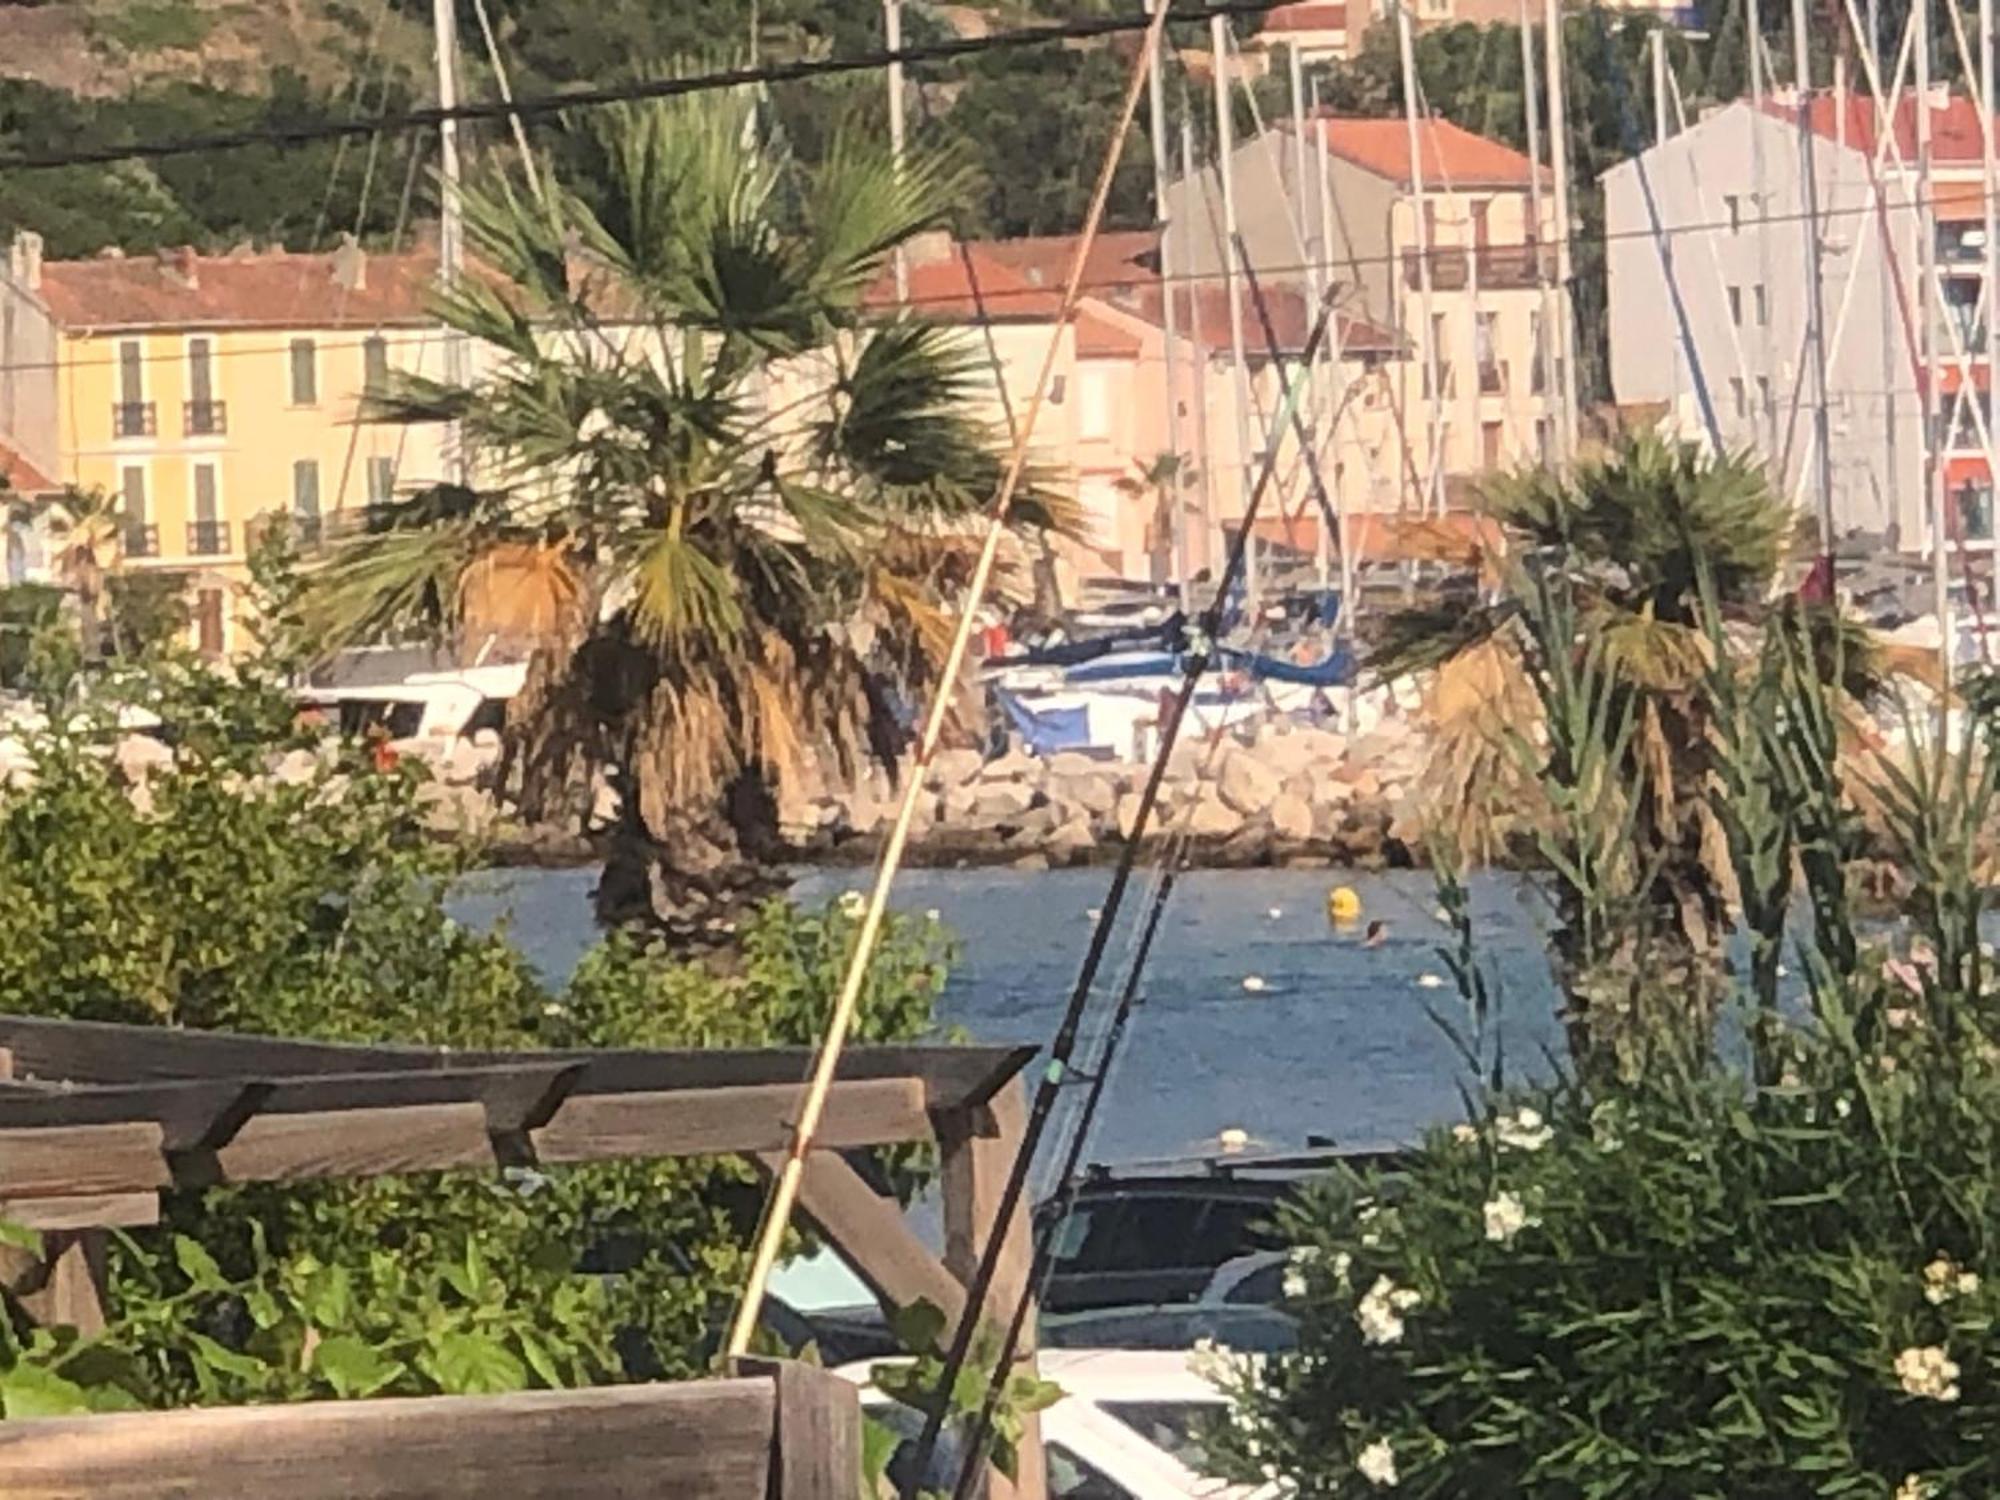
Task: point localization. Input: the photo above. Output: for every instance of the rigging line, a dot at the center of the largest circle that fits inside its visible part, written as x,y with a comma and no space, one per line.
354,102
528,168
1704,398
798,70
1064,1044
1303,438
996,297
784,1192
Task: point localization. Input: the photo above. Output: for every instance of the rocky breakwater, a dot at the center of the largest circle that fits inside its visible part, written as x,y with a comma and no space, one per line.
1281,794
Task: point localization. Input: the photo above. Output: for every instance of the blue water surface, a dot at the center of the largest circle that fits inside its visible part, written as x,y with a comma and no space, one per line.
1336,1044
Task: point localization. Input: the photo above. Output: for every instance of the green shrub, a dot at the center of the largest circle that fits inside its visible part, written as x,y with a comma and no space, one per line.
208,892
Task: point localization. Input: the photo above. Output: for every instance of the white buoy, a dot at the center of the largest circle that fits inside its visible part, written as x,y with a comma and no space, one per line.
1443,916
1232,1139
1429,982
1783,972
1275,912
1254,983
1094,913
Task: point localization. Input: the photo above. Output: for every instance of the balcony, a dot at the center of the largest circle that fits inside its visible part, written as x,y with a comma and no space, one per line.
1957,431
208,539
1492,378
1510,268
142,540
204,418
307,529
131,419
1451,270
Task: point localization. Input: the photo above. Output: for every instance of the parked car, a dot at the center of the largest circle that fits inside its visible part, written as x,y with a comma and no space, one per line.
1238,1309
1154,1237
1128,1427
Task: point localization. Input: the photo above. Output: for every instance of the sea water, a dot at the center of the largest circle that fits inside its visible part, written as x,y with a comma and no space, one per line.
1336,1041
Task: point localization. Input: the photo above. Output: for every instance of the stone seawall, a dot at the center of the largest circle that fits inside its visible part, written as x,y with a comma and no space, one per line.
1284,793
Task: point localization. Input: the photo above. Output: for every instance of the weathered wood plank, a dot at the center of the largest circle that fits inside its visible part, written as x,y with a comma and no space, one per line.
978,1149
700,1441
353,1143
88,1211
816,1448
730,1120
871,1234
79,1160
96,1052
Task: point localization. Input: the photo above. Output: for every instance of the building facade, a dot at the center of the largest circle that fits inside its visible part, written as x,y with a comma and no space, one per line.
1447,256
1709,230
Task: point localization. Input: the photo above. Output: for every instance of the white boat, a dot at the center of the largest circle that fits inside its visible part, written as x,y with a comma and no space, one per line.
424,711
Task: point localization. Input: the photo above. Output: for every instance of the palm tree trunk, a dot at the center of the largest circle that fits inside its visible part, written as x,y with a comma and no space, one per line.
691,875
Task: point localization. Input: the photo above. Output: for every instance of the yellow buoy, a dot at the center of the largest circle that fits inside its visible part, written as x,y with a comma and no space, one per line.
1342,904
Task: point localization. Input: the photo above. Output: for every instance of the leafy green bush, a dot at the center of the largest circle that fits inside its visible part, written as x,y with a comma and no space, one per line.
1690,1288
214,891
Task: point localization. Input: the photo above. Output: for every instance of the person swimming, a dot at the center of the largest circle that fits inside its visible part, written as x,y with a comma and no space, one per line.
1376,935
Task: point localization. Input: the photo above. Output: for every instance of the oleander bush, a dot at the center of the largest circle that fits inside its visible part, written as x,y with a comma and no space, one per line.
1748,1244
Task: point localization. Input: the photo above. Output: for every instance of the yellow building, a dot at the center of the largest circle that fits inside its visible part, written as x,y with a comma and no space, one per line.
211,392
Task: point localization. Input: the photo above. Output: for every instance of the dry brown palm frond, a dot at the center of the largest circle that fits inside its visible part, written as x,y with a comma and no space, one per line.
1482,709
774,713
523,591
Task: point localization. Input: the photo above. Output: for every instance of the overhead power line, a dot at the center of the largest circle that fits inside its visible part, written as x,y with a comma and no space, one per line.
802,70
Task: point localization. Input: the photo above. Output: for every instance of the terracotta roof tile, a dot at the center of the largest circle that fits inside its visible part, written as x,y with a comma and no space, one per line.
1453,157
22,477
1308,15
1955,133
275,290
941,289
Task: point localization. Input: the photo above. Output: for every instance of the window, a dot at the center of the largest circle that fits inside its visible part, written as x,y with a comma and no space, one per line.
1736,305
1489,444
208,621
1764,402
1975,511
381,480
1538,375
1093,416
305,373
375,364
1485,338
1763,306
201,375
1736,397
204,492
142,538
1440,341
305,489
1734,206
131,372
1431,223
1480,209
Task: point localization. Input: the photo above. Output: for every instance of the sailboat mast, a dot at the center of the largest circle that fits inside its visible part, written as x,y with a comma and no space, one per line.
1169,315
892,36
1336,387
1815,289
1545,345
1225,150
1211,543
451,212
1559,165
1314,255
1426,320
1990,181
1934,496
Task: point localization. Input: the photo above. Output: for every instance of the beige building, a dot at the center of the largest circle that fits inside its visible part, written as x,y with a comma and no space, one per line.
1445,255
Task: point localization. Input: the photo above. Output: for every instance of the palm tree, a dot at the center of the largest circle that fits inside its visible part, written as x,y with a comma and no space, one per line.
732,508
1587,687
87,530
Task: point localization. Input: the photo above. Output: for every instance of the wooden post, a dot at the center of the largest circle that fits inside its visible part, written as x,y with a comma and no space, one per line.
978,1148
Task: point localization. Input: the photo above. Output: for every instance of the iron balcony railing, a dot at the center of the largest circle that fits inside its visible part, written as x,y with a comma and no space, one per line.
208,538
134,419
204,418
142,539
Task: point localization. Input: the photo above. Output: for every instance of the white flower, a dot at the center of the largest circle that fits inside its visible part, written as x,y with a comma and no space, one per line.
1377,1463
1943,1280
1379,1314
1523,1132
1915,1487
1295,1283
1843,1106
1506,1216
1209,1361
852,903
1928,1372
1342,1263
1465,1135
933,915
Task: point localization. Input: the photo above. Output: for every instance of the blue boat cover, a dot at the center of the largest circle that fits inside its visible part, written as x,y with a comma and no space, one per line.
1044,731
1335,671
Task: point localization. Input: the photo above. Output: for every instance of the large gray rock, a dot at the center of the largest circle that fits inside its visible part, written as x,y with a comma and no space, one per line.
1095,795
1072,841
1212,818
953,768
1246,783
1291,818
1000,801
